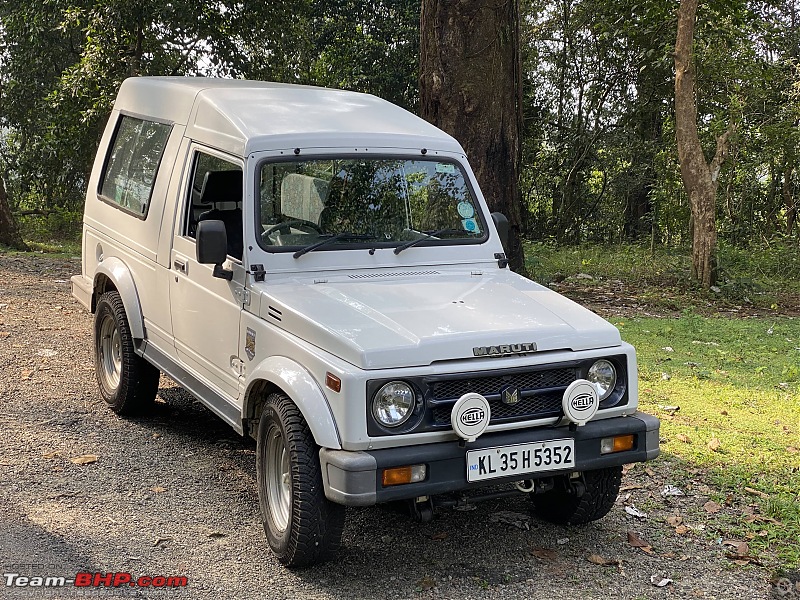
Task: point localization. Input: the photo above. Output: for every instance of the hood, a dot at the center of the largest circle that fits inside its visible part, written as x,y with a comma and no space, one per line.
389,320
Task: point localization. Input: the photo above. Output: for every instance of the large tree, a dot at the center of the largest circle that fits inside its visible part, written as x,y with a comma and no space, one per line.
470,86
700,178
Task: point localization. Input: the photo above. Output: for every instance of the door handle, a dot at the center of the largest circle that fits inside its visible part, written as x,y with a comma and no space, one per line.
179,265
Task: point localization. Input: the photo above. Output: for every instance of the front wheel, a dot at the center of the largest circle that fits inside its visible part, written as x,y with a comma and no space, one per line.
302,526
576,503
128,383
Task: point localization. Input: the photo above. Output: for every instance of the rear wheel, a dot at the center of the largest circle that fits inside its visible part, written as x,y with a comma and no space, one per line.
128,383
302,526
575,503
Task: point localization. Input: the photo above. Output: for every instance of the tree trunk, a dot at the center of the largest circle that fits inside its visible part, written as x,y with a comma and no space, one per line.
470,86
9,232
788,198
700,179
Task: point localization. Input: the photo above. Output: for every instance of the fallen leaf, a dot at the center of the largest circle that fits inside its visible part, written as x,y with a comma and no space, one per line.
714,444
712,507
740,548
635,512
544,553
758,493
724,413
603,562
52,454
4,334
650,472
637,542
627,488
83,459
158,489
681,530
674,520
659,581
216,534
442,535
27,374
791,449
761,519
682,437
671,490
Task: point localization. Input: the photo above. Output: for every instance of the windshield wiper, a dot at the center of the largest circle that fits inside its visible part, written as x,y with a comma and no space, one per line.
345,235
428,235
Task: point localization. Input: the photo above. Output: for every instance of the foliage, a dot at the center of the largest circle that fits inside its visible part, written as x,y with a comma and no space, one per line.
736,381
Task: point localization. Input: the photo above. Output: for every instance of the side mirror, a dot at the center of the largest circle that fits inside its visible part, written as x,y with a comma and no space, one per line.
501,223
212,247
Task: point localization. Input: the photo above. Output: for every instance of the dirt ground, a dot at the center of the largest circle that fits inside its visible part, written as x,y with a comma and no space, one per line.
174,494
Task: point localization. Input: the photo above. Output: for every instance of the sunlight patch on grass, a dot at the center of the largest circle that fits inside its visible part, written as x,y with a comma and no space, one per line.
737,385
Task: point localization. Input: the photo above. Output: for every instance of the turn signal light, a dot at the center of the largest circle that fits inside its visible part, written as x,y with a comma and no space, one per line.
333,382
618,443
401,475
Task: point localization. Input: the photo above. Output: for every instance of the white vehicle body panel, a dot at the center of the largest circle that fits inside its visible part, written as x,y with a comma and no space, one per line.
361,315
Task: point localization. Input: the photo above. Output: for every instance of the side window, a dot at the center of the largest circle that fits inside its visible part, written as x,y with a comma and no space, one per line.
132,163
216,194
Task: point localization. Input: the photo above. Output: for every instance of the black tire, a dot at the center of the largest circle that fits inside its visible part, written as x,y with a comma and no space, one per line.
303,527
128,383
567,508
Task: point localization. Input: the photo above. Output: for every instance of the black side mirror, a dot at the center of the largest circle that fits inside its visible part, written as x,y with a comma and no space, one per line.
212,247
501,223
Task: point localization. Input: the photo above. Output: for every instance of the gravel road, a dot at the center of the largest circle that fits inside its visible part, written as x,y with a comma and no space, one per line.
174,494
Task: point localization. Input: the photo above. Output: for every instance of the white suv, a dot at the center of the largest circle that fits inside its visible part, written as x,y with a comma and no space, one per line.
320,269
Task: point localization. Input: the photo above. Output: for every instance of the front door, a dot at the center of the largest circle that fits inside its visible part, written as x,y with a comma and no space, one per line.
205,309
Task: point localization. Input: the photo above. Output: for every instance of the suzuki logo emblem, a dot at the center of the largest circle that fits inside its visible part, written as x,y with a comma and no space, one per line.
510,395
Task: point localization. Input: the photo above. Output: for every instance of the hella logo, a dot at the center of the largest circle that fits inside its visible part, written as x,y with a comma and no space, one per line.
582,402
472,416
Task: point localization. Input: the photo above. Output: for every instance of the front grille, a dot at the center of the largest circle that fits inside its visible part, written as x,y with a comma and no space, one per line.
539,406
453,389
540,393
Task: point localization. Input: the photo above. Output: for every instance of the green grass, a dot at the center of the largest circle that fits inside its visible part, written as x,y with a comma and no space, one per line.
736,380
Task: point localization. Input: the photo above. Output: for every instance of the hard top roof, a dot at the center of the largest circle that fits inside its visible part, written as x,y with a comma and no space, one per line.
241,116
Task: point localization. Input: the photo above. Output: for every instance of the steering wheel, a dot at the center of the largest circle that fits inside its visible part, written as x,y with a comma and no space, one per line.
285,225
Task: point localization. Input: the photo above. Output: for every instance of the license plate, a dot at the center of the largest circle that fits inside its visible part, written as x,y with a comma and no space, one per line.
520,459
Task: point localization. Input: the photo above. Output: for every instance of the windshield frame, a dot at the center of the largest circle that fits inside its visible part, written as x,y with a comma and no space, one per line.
370,245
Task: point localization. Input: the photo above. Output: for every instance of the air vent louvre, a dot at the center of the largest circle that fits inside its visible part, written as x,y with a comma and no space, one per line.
274,313
402,274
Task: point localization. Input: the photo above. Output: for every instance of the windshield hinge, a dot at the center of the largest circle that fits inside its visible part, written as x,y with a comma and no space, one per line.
242,295
258,272
501,259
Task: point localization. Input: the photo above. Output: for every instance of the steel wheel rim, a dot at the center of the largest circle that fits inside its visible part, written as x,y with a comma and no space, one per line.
110,346
279,479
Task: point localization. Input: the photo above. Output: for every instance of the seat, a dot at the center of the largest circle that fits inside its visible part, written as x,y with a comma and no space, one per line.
223,190
302,197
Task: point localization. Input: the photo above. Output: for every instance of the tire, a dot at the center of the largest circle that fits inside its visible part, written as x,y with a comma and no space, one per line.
303,527
567,508
128,383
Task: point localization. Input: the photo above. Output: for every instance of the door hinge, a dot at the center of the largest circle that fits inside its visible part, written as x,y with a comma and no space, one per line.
258,272
242,295
237,364
501,259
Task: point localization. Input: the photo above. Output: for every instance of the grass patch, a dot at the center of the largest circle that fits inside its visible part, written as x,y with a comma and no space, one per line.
736,381
758,275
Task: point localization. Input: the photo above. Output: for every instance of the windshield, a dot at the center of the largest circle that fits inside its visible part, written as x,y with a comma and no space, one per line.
365,203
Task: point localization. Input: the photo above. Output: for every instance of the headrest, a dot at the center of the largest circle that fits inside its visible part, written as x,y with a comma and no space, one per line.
221,186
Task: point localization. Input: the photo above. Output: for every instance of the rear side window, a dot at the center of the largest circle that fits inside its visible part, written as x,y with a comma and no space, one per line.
132,164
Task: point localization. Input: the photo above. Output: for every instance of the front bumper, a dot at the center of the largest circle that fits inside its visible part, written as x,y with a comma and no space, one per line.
355,478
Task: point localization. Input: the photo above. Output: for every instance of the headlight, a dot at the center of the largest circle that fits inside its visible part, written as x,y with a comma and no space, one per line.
393,404
604,376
